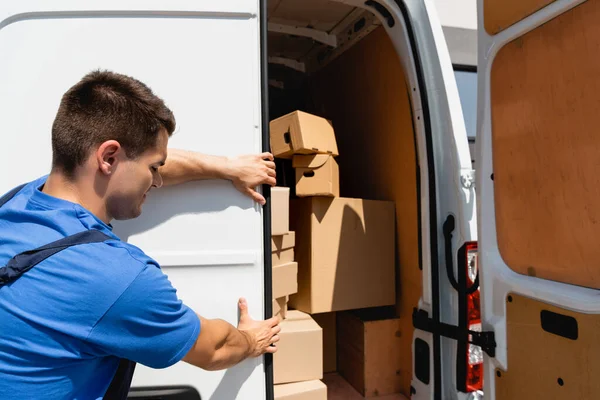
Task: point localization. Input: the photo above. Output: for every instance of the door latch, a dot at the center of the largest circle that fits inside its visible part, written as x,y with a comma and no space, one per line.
485,340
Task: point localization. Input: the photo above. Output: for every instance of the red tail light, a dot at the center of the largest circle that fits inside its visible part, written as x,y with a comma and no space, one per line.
474,353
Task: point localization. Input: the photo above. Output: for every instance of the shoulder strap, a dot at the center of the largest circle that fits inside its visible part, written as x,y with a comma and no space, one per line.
121,382
8,196
23,262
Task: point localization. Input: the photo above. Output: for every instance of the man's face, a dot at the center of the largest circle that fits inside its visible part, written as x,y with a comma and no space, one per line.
133,179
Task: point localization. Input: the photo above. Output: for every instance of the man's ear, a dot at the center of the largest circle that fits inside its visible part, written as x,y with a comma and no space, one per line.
107,156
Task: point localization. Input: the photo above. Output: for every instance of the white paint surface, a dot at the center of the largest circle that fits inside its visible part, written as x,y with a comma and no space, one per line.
208,234
457,13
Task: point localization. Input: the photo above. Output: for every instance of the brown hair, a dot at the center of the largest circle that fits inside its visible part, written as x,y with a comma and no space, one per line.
107,106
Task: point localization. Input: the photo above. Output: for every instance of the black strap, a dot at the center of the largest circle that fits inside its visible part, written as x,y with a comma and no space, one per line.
119,386
26,260
23,262
8,196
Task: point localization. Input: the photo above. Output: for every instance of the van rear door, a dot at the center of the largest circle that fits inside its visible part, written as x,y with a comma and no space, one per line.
203,58
539,86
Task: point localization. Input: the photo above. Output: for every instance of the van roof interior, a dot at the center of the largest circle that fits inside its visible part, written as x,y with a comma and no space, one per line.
306,35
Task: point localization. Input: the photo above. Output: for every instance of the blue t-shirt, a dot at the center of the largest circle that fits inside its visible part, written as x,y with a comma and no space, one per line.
65,323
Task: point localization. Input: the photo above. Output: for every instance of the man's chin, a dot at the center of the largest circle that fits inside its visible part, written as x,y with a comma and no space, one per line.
132,215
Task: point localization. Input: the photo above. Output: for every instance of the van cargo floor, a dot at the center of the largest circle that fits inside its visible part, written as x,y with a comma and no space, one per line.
339,389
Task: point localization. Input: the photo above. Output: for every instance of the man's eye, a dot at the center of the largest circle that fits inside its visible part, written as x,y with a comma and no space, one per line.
154,169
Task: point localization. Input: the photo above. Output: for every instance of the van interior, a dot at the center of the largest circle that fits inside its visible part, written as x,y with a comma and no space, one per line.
337,61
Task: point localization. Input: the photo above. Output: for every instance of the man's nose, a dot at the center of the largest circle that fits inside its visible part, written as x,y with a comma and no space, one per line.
158,180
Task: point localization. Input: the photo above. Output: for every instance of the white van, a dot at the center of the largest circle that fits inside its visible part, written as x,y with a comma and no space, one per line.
380,70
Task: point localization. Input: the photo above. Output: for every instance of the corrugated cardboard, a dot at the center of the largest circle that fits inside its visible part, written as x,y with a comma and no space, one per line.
310,390
282,242
382,152
280,210
283,257
301,133
317,175
285,279
299,355
280,307
345,252
327,322
370,350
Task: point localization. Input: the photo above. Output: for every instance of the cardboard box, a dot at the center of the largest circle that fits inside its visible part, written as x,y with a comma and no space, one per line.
299,356
345,253
369,351
282,242
280,307
317,175
283,257
282,247
280,210
285,279
327,322
301,133
310,390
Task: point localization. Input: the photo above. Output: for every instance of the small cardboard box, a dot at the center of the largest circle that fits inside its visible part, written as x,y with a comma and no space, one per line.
301,133
282,247
309,390
299,355
282,242
280,307
285,279
327,322
283,257
369,350
280,210
345,249
317,175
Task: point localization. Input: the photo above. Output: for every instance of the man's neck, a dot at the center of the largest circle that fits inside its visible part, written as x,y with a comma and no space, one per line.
73,190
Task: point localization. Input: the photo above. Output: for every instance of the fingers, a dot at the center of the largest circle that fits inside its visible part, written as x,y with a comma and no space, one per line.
271,349
275,339
270,164
243,306
267,156
275,330
271,172
259,198
273,321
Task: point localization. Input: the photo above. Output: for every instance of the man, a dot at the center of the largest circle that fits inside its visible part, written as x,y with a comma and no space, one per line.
70,321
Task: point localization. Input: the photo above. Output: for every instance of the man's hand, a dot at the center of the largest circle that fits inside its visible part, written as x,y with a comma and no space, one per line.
249,171
263,335
220,345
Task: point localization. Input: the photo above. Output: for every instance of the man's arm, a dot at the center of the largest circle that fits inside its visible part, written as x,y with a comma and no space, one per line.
245,172
220,345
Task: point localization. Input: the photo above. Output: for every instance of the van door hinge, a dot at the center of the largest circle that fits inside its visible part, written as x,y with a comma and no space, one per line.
485,340
467,178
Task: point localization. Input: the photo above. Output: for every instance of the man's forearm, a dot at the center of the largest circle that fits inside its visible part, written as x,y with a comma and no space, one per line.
246,172
184,166
219,346
236,348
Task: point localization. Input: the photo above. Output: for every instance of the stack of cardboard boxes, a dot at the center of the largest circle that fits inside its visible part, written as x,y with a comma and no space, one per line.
285,270
345,253
298,361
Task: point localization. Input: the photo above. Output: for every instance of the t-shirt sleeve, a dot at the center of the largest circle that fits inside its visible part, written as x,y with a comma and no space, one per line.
147,324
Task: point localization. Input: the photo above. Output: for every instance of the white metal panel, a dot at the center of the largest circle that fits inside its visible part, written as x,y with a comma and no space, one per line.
496,278
457,13
208,235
